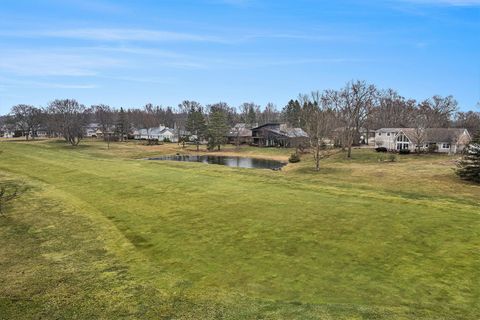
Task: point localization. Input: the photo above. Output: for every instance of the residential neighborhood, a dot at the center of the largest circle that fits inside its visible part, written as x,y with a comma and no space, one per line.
239,160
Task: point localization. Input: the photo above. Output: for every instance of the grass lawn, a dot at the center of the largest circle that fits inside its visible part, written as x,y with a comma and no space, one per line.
102,234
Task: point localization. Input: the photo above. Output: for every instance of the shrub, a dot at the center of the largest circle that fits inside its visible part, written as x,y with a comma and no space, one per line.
294,158
404,151
392,158
166,140
381,149
432,148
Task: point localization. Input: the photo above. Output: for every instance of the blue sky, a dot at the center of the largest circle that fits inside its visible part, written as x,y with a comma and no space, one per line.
128,53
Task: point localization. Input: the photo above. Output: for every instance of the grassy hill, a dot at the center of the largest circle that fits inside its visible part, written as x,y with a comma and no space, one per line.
102,234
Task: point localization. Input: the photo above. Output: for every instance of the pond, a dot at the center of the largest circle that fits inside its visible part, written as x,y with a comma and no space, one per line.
236,162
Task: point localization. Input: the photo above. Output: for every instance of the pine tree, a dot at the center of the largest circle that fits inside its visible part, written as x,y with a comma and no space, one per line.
469,166
217,128
251,117
122,126
292,113
196,123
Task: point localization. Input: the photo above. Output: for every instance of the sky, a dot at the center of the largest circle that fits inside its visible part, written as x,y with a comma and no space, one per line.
127,53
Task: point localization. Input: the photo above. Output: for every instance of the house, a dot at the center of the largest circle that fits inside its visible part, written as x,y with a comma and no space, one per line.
40,133
240,134
92,130
279,135
160,133
6,132
444,140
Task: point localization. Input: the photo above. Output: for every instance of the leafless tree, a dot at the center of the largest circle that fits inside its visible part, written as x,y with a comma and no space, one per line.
70,118
149,118
104,115
438,111
393,111
353,104
269,114
469,120
27,118
319,118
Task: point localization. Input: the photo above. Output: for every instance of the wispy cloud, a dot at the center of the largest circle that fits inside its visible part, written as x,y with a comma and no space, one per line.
113,34
51,63
22,83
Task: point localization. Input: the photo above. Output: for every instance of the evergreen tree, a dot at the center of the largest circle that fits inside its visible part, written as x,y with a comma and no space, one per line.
251,116
217,128
469,167
196,123
122,126
292,113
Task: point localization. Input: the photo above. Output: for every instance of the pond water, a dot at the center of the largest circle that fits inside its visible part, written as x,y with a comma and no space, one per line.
236,162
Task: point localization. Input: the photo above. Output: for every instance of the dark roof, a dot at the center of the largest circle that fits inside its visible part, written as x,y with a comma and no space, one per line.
272,124
436,134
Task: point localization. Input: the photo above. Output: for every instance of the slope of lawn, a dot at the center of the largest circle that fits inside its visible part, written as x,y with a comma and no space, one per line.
104,234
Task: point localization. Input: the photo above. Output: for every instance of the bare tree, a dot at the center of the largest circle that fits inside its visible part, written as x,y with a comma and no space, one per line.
469,120
249,113
438,111
354,104
104,115
393,111
319,118
27,118
269,114
149,118
70,118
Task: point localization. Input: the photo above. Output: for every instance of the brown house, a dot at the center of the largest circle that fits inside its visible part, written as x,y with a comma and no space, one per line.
240,134
279,135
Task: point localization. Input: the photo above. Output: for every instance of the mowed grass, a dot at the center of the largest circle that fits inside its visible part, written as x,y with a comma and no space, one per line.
104,234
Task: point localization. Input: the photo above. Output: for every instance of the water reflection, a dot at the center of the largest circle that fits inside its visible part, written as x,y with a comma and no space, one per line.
236,162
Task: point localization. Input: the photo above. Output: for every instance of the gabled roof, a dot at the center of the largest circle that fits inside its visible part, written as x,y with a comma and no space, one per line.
436,135
389,129
240,130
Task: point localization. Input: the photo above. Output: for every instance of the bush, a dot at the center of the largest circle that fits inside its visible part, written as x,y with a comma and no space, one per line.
166,140
381,149
390,158
404,151
432,148
294,158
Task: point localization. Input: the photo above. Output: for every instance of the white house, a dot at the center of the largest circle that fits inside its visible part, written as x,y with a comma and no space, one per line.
7,132
160,133
92,130
444,140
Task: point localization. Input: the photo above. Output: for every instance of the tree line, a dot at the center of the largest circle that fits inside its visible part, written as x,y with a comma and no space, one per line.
356,106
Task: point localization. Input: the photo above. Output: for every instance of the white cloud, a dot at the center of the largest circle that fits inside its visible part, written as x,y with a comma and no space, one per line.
52,63
114,34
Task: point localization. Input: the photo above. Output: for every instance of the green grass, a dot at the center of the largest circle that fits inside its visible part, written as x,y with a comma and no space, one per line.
102,234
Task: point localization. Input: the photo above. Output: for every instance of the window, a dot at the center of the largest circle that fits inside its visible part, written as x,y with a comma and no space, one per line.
446,146
402,142
379,134
388,134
